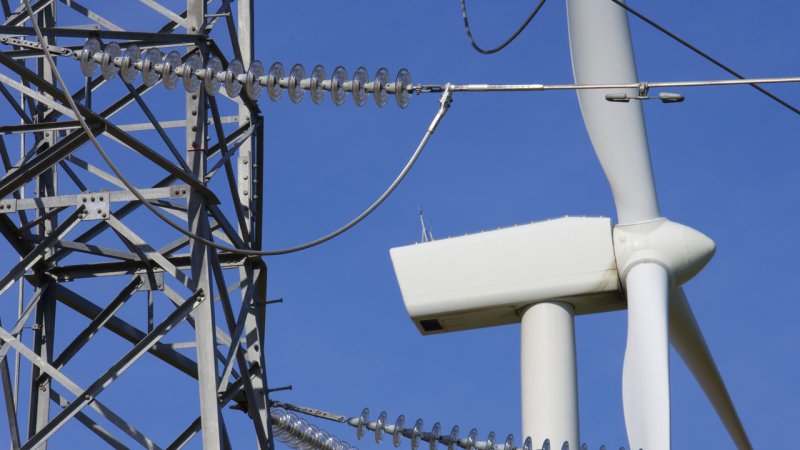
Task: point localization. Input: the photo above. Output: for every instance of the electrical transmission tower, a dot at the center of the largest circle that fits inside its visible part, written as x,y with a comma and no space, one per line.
99,286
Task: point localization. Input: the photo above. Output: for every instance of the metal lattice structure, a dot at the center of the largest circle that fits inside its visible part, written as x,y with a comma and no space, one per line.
82,250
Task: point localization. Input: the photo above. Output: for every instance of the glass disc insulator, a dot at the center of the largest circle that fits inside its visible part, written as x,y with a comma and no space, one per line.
397,435
232,85
452,443
416,433
490,441
320,438
360,80
401,86
110,55
251,86
338,79
362,421
379,424
379,87
150,59
509,443
294,88
436,431
307,438
168,76
210,81
296,431
88,64
273,78
192,65
472,437
528,445
128,71
317,77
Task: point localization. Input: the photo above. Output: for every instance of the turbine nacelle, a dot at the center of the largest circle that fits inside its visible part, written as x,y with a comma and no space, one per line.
487,279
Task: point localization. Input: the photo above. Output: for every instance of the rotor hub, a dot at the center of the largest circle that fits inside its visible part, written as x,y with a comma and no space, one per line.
682,250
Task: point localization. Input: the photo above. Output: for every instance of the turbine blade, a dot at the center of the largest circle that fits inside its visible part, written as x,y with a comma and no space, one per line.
688,341
645,371
601,50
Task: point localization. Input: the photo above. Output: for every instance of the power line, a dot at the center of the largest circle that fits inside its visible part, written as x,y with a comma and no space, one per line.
507,41
704,55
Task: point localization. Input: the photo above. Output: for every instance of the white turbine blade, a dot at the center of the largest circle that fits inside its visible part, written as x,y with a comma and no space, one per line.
688,340
602,53
645,372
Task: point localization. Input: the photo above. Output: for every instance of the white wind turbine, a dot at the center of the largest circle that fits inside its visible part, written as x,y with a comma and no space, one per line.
542,274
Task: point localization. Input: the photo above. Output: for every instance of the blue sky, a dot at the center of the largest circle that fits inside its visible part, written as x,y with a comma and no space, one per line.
725,163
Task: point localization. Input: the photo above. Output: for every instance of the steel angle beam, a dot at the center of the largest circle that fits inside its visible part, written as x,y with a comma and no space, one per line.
180,262
38,252
45,159
154,38
92,198
92,15
20,15
125,330
138,350
90,424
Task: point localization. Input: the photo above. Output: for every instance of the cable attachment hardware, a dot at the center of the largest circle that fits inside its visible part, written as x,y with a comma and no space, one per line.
428,88
447,97
61,51
644,90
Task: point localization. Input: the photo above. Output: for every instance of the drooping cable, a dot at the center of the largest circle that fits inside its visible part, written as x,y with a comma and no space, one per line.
703,54
444,105
521,28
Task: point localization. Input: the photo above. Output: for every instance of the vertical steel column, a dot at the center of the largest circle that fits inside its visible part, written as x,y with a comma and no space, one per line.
44,325
247,180
196,132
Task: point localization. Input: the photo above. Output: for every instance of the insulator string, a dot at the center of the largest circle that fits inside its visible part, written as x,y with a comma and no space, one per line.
194,73
384,428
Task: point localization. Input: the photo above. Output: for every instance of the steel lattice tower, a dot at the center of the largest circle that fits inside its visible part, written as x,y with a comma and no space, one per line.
80,245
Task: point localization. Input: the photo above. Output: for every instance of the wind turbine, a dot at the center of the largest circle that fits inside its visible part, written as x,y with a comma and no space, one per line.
542,274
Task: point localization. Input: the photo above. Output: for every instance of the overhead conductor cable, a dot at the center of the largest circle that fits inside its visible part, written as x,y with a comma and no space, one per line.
703,54
507,41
